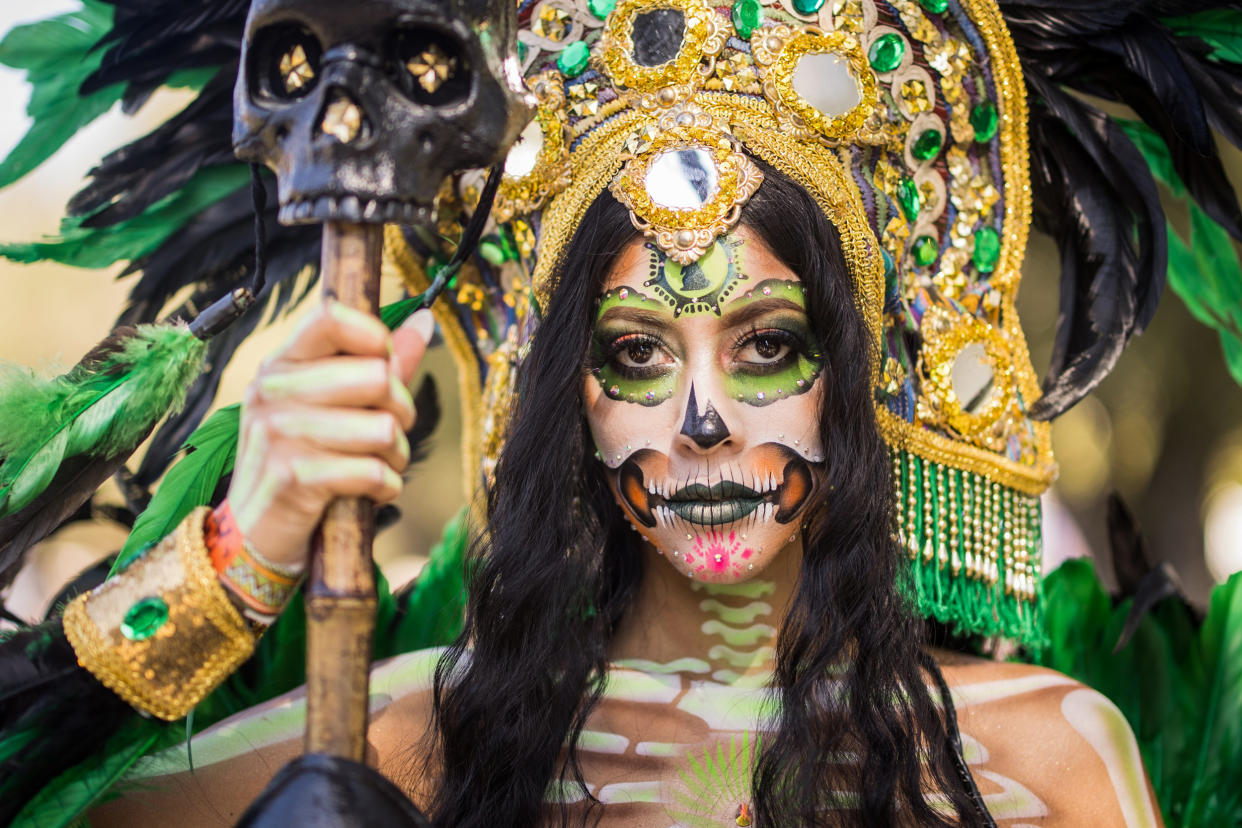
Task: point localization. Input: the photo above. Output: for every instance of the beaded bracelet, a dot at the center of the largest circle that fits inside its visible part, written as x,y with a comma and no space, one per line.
262,587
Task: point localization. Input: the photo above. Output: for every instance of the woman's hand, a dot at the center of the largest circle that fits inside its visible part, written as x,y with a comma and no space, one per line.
325,417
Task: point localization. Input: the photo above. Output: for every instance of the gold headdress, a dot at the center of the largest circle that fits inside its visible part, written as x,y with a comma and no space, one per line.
906,122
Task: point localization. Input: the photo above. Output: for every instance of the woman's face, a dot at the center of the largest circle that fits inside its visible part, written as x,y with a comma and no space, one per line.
703,399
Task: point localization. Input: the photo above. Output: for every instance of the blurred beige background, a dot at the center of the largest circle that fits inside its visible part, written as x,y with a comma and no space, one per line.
1165,430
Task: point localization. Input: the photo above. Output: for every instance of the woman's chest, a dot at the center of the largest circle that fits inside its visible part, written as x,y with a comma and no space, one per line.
665,750
669,750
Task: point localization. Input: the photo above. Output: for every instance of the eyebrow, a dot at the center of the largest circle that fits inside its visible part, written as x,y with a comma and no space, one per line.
753,310
633,314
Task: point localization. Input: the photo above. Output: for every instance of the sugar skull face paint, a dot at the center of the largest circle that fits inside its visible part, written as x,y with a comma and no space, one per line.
703,400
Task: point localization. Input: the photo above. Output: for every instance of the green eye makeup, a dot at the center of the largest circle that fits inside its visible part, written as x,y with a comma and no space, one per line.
629,363
776,358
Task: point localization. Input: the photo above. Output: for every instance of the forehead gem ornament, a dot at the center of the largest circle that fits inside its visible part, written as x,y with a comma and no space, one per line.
688,187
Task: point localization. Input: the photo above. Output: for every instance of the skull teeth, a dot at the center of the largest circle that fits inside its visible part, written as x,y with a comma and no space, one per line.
351,208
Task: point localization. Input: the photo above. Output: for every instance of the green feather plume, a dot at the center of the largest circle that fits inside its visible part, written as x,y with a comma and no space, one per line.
190,483
95,247
1204,269
57,55
64,436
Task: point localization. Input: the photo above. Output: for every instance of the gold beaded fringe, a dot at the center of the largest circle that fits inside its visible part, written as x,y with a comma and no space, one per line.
973,546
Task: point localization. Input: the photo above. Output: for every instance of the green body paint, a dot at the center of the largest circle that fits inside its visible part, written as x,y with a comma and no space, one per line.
700,286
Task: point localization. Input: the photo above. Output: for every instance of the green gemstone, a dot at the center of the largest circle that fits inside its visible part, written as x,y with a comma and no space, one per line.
573,61
908,196
521,51
507,244
927,145
601,8
491,250
144,618
934,6
983,118
987,249
925,250
806,8
747,15
886,52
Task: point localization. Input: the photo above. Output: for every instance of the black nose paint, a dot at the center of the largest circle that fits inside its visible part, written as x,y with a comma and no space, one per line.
707,429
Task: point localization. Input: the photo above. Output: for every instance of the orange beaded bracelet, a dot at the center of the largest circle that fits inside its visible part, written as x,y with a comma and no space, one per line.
263,588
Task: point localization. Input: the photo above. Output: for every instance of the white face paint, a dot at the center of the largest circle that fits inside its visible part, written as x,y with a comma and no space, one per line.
704,403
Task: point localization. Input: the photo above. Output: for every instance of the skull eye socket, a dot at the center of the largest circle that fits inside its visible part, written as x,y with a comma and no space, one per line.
429,66
284,62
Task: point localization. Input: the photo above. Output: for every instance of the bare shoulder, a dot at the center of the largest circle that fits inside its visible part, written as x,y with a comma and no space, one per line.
1041,742
235,759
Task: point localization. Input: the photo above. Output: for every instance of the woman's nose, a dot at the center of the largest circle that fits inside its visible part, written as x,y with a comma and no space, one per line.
706,428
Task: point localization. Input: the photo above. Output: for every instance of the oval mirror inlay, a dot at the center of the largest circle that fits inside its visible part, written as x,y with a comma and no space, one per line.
824,81
658,36
682,179
520,162
971,375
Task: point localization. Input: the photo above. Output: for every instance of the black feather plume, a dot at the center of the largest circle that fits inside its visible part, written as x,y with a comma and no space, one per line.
1093,191
1095,195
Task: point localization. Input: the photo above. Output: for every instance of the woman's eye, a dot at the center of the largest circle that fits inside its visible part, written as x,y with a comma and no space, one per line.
765,348
768,348
639,353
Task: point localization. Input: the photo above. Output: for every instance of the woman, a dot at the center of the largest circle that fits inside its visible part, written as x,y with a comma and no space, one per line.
776,401
757,555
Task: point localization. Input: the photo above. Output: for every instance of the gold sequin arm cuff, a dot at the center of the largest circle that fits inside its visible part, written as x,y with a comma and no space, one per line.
163,634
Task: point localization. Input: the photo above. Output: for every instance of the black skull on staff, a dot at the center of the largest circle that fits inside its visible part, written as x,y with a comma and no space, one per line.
362,108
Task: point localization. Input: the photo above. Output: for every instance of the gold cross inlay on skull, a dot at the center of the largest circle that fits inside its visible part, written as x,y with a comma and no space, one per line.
342,119
295,69
431,67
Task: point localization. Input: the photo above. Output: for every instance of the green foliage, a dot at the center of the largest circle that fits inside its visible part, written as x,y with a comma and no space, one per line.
82,246
102,411
1219,28
1179,687
211,452
1204,269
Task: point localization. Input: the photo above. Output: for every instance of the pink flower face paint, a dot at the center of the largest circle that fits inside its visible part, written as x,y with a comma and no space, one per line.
703,400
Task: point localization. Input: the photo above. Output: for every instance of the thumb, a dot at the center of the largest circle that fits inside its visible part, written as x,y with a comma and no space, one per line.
409,342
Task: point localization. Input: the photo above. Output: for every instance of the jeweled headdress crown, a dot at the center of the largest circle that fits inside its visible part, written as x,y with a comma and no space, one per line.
906,122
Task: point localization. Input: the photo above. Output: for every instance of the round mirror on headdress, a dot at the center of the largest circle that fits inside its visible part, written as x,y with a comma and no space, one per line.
967,377
649,45
537,166
688,187
822,79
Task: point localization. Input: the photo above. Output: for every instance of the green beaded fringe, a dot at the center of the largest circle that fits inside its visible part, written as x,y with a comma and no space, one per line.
974,549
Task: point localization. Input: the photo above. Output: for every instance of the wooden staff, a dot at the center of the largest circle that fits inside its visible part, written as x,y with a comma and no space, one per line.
340,595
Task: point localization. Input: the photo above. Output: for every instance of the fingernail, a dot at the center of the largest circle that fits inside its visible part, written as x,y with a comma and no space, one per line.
353,316
422,323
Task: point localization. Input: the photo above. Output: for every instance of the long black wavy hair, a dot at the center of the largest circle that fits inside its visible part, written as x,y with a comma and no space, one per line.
558,567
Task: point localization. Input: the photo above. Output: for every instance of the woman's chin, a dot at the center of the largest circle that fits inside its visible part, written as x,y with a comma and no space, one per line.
729,554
